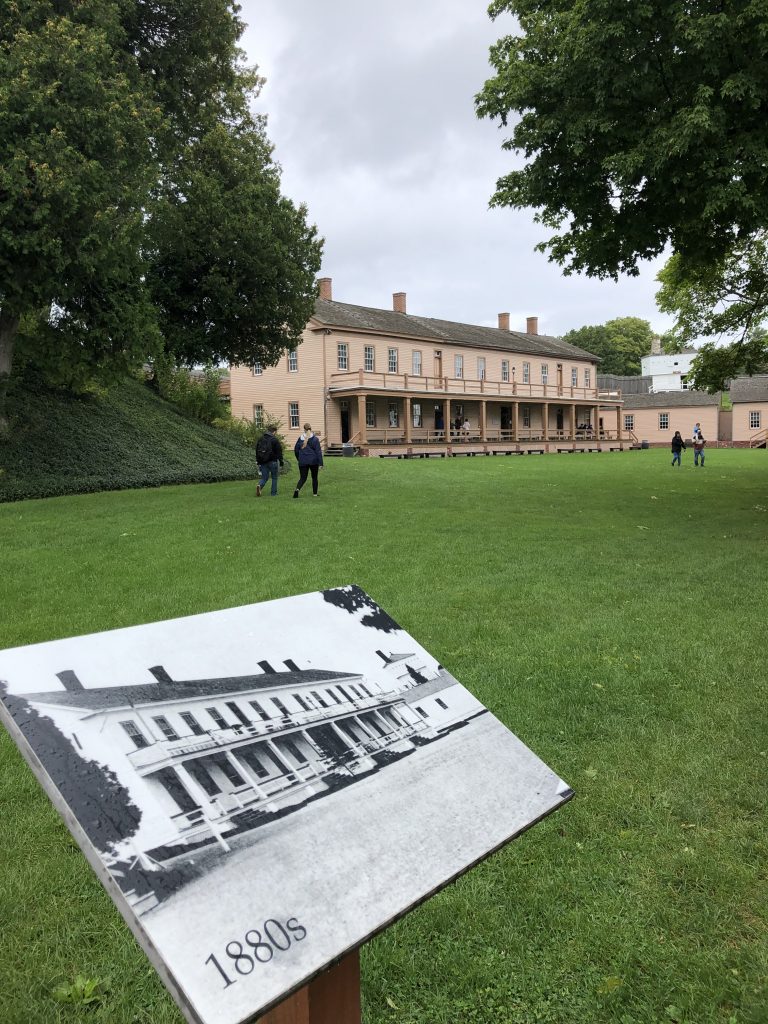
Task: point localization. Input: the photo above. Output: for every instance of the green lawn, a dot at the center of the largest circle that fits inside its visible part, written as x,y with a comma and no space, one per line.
610,610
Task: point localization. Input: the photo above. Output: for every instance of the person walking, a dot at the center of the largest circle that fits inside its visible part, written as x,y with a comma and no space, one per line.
677,446
269,456
310,458
698,448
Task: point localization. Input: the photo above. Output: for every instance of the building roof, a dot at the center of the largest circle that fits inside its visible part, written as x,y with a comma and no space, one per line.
385,321
627,385
749,389
104,698
670,400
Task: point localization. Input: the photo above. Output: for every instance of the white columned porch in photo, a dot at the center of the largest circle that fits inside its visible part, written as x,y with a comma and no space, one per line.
197,793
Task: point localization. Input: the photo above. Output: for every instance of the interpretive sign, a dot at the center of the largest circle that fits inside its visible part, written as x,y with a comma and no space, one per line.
262,789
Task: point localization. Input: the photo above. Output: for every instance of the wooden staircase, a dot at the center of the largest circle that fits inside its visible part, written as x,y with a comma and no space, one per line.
759,439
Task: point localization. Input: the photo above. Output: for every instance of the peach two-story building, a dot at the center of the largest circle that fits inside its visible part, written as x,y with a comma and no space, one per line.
385,380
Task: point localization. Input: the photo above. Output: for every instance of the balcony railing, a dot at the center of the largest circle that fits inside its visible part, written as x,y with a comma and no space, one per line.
417,383
166,751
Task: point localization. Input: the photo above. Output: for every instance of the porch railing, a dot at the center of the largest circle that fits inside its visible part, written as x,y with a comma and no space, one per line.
373,381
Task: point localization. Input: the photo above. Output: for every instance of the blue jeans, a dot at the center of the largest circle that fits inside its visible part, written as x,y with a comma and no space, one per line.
267,469
697,456
676,456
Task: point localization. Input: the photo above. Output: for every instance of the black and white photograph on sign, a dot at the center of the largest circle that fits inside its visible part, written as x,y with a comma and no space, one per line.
264,788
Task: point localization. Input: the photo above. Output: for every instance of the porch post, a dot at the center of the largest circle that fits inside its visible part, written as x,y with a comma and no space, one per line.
572,418
545,419
447,418
515,421
483,418
596,422
618,426
197,792
363,431
407,402
245,769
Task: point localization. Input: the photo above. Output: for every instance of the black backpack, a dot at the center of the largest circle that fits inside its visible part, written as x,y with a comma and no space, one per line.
264,448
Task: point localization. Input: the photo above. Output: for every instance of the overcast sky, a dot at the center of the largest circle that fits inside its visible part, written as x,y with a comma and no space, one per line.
371,111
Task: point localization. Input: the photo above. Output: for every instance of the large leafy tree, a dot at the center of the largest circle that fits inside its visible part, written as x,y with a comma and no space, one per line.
122,125
725,298
620,343
233,262
642,125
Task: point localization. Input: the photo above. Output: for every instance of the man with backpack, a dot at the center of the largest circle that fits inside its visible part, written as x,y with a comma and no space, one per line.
269,456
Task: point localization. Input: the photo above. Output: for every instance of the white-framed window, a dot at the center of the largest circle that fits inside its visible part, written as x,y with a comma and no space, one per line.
293,415
342,355
369,361
416,409
526,414
257,369
393,414
505,370
754,419
629,421
258,415
544,373
587,378
458,367
293,361
416,363
526,373
392,360
165,727
663,421
370,413
574,377
137,736
481,367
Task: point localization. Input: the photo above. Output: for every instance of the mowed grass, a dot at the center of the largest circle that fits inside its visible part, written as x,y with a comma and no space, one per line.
610,610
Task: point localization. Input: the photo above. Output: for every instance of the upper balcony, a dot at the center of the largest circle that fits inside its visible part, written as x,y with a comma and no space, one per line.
356,381
165,752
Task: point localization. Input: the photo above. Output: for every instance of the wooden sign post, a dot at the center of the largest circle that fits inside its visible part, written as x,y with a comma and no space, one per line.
332,998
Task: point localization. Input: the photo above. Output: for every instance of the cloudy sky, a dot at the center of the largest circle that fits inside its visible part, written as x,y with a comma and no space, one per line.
371,111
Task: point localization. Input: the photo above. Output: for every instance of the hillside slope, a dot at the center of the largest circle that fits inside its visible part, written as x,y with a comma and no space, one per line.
123,437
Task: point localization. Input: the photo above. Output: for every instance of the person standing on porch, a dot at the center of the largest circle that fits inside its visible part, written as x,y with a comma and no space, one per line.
310,458
677,447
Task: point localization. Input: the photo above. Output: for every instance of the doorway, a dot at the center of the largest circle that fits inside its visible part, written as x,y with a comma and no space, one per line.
506,419
346,433
438,363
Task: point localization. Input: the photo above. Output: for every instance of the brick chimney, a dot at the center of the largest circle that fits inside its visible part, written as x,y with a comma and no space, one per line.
503,321
532,325
326,288
398,302
655,345
265,666
160,674
70,681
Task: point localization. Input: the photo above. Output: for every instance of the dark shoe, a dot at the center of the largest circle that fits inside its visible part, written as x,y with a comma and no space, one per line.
296,494
258,490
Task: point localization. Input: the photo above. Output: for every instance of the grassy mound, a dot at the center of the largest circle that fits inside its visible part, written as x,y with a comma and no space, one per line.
124,436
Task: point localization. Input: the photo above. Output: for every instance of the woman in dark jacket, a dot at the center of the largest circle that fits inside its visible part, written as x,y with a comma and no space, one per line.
310,456
677,446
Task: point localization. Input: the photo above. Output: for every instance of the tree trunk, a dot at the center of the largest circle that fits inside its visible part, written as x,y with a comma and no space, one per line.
8,327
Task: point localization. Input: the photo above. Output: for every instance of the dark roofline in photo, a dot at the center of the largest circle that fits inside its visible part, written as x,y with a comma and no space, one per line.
329,313
106,698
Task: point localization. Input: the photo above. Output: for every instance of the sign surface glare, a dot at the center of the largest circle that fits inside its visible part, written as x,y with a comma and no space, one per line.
262,789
